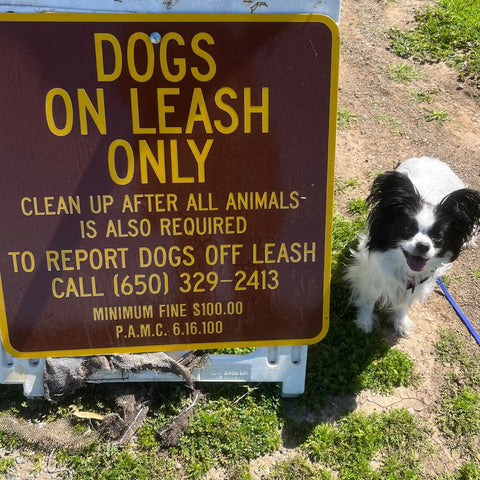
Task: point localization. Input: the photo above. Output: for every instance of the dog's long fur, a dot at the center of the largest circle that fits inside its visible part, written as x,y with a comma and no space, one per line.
420,217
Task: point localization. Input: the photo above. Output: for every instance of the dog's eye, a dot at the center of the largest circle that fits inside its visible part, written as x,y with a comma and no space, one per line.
437,237
411,228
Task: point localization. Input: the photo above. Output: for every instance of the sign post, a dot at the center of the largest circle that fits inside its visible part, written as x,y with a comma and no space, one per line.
166,181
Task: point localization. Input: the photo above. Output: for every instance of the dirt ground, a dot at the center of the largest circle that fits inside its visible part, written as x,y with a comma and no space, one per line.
392,127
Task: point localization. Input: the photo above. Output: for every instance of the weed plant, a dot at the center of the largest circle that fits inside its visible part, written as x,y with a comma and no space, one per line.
225,432
403,73
345,118
395,369
440,116
394,125
474,273
6,464
421,96
342,186
460,412
299,468
381,446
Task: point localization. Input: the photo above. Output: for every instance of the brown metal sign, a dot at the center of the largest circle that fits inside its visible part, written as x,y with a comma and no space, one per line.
166,181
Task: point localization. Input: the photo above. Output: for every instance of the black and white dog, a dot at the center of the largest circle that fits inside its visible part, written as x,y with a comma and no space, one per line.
420,217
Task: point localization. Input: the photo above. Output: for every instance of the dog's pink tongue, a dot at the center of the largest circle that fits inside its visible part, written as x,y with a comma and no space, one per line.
417,264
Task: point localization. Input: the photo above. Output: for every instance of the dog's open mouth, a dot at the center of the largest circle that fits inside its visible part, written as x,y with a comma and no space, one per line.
416,263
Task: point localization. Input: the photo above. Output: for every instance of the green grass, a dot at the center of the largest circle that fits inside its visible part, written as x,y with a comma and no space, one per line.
469,471
474,273
448,31
298,468
422,96
452,349
6,464
403,73
459,412
345,232
342,186
345,118
357,206
233,351
224,432
381,446
394,124
109,462
233,426
395,369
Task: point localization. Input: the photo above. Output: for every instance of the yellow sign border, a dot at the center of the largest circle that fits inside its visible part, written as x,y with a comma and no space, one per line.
218,18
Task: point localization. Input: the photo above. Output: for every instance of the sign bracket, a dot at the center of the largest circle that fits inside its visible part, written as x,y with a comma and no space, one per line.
279,364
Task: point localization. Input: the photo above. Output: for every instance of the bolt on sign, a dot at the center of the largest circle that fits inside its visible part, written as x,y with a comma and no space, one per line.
166,181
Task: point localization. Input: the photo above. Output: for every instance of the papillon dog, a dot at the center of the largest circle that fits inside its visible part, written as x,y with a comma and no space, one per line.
420,217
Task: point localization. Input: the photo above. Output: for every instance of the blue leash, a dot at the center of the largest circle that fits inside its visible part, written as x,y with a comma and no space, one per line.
459,311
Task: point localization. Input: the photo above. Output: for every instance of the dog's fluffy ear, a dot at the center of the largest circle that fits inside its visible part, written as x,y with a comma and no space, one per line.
392,201
461,209
392,191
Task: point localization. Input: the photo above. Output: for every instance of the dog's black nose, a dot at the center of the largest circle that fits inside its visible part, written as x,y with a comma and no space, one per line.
421,248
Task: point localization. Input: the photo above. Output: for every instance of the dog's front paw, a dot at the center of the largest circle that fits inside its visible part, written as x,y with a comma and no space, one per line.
403,325
366,320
